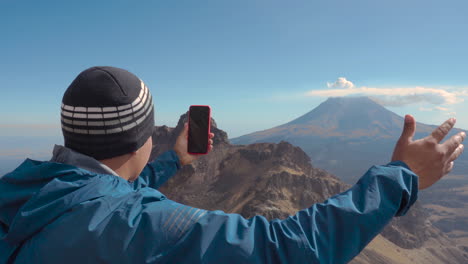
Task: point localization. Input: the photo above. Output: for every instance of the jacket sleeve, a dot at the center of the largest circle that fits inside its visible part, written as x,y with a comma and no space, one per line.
156,173
331,232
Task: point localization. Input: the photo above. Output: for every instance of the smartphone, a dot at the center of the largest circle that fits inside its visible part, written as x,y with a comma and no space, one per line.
199,129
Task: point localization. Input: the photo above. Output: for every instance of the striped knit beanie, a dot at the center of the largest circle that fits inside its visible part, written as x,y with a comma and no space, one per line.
106,112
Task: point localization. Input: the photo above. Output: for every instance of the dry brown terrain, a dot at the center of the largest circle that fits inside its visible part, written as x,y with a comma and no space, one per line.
276,180
447,204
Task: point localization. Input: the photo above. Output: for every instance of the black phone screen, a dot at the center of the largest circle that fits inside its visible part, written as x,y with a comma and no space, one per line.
199,122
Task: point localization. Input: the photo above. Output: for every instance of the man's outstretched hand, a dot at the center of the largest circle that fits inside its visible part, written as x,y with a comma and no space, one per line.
181,146
426,157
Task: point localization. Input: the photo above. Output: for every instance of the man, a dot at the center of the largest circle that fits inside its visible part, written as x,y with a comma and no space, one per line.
96,200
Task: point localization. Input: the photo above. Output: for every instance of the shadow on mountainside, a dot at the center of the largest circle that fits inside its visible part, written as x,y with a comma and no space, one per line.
278,179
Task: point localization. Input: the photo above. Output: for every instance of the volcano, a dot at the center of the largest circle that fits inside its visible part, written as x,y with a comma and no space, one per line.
345,136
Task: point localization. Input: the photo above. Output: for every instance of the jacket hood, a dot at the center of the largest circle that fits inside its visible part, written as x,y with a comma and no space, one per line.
36,193
66,155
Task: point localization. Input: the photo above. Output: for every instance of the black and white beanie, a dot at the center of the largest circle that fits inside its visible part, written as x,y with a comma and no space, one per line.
106,112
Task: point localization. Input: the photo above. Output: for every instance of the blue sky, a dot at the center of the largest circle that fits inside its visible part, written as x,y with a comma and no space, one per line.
257,63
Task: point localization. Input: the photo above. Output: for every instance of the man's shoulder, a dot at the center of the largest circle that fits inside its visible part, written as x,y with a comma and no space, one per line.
35,170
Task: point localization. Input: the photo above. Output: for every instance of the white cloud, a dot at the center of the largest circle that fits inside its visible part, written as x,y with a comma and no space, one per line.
437,108
393,96
464,92
424,109
440,108
341,83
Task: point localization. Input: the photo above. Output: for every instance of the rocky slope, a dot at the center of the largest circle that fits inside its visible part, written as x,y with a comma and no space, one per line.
345,135
276,180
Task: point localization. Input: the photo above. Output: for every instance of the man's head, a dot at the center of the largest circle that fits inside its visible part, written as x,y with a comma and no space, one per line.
107,113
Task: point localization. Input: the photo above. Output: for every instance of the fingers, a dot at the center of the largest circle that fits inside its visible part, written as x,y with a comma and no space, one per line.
184,132
449,167
458,151
454,142
210,141
439,133
408,129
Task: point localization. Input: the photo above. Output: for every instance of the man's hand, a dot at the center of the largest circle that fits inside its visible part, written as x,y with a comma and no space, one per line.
426,157
181,146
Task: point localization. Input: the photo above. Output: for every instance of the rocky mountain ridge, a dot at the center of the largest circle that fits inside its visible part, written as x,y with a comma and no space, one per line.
277,180
345,136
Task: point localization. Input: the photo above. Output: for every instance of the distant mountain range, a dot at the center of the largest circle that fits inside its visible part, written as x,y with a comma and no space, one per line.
345,136
276,180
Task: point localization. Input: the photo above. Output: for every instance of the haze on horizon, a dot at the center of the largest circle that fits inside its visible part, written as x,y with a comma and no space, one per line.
258,63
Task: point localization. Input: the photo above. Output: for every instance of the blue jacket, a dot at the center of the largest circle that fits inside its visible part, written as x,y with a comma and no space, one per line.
57,213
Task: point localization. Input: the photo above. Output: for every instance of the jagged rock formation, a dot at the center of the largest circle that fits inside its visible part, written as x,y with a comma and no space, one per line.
277,180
